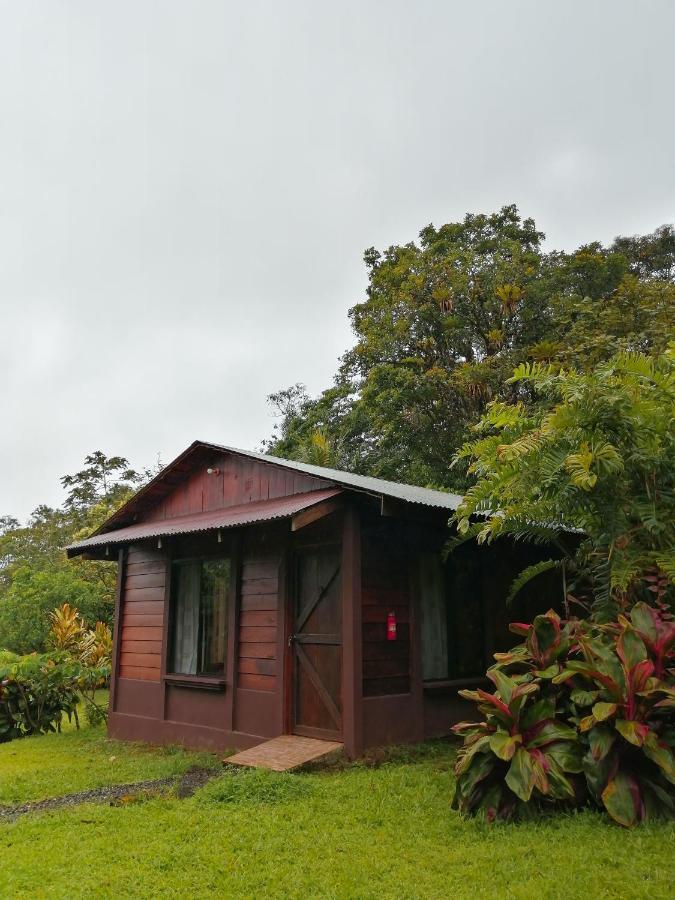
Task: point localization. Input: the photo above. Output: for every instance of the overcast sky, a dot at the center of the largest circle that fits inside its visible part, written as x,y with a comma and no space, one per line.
187,188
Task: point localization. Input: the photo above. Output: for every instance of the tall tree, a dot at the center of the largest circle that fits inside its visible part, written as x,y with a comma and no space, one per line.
444,322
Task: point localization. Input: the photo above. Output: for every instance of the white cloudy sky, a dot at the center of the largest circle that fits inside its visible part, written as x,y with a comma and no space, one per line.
187,187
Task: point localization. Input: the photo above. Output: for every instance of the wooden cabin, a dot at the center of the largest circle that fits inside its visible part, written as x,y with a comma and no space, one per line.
259,597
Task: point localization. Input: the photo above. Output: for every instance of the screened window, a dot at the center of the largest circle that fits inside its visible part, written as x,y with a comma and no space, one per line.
200,591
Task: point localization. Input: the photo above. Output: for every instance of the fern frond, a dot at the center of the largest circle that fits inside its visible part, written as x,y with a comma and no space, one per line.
529,573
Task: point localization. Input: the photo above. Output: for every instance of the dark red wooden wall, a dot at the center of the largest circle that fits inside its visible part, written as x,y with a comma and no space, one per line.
142,614
240,481
257,663
385,589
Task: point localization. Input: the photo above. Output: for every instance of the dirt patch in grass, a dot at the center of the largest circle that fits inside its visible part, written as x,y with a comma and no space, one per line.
117,794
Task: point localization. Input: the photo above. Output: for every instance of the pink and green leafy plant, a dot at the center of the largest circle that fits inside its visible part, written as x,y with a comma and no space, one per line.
582,713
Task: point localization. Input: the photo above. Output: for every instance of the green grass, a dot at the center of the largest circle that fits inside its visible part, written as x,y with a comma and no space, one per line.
351,832
55,764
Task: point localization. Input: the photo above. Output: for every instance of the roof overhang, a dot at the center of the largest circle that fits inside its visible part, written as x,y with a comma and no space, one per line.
232,517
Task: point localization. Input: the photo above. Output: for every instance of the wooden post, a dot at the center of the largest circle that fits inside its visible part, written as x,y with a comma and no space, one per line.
352,665
117,629
233,604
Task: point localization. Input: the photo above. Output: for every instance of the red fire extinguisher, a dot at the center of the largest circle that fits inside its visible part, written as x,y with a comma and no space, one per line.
391,626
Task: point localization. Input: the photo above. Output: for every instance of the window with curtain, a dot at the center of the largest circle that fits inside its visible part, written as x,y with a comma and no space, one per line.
451,618
198,641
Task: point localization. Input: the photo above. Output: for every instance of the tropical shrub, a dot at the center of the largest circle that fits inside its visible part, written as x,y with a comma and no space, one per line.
91,647
582,714
36,691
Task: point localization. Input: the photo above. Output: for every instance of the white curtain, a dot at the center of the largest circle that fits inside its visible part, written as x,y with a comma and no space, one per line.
186,624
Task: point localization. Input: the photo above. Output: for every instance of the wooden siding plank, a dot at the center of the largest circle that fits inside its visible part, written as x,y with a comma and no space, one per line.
250,666
149,567
384,668
138,672
133,582
257,682
257,634
263,568
141,647
141,634
258,586
376,596
379,687
145,608
258,618
137,555
259,602
384,650
144,595
144,660
258,651
142,620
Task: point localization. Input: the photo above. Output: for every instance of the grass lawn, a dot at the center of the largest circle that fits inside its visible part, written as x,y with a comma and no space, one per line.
353,832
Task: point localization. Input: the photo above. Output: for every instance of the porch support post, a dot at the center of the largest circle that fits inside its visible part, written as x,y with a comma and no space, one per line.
352,665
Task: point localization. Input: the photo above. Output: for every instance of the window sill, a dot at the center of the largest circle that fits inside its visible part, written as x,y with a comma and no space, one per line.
202,682
450,686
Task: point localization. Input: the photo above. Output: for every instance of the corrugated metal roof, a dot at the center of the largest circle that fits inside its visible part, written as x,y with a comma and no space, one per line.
234,516
406,492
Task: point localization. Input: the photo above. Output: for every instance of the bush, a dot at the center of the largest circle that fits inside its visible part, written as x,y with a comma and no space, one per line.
91,647
36,691
582,713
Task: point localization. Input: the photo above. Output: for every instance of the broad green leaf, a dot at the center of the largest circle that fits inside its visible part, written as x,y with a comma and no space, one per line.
661,754
504,745
600,739
521,775
634,732
584,698
505,685
622,800
537,712
566,754
552,731
602,711
630,648
549,672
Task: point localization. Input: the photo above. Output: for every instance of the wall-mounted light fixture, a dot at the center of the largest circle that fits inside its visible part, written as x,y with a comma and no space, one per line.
210,471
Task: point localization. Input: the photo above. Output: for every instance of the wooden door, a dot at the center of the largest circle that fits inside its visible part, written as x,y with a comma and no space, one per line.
316,643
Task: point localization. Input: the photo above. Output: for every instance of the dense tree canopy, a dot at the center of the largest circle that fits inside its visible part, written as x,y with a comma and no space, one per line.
447,319
35,576
595,452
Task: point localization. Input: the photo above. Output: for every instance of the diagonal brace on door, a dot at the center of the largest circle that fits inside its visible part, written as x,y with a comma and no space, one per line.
311,605
313,676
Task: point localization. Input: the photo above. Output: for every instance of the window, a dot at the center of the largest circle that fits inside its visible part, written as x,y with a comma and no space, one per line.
452,621
198,640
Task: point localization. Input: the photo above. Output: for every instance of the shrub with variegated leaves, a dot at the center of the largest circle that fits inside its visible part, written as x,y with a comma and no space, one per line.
581,713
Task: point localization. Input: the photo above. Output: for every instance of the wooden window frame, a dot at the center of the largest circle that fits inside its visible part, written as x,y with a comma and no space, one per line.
204,682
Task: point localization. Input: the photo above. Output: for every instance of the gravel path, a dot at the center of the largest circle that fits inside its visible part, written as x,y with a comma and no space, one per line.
185,786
